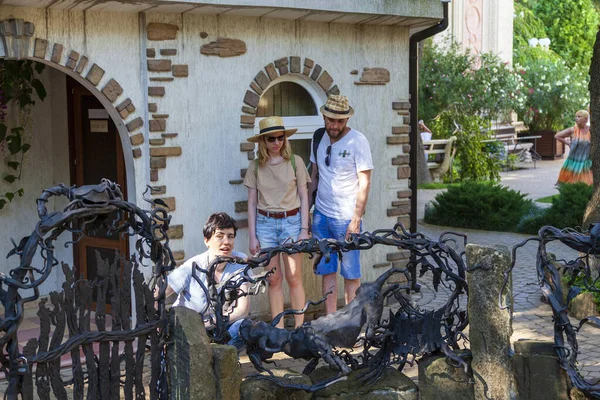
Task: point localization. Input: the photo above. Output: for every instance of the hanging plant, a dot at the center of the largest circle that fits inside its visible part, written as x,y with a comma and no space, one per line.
18,88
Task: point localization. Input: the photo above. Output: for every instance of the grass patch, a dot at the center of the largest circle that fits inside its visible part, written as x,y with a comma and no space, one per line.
547,199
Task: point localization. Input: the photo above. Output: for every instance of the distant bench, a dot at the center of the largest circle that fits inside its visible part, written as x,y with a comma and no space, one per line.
512,143
439,154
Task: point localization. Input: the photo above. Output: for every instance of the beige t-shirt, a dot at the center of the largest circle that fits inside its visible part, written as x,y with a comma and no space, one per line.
277,184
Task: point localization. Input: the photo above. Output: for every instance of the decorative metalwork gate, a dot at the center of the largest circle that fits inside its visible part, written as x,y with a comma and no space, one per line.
129,316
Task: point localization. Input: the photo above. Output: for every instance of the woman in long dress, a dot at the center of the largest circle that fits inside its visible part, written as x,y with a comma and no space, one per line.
577,166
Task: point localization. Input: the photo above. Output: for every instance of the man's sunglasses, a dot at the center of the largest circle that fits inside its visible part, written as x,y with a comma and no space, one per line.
272,139
328,152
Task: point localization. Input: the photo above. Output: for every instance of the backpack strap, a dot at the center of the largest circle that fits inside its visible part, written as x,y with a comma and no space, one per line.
293,160
317,136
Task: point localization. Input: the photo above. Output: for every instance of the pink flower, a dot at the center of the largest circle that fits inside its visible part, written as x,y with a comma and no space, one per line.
531,91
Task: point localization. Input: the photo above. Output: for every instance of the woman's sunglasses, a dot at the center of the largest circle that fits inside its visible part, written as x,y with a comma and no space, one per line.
272,139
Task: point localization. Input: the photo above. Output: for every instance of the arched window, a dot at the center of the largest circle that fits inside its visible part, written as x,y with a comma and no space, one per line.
296,101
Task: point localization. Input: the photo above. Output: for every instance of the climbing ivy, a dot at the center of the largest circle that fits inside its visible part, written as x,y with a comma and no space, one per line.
18,89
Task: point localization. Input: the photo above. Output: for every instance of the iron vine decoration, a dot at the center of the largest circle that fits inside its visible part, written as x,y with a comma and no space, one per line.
406,333
549,271
101,204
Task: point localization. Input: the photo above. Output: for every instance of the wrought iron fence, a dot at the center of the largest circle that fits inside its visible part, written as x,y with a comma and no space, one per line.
120,346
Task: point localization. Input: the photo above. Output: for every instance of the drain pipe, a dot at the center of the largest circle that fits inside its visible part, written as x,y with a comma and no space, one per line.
413,88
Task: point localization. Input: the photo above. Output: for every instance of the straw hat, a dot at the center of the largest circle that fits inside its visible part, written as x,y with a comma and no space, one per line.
271,125
337,107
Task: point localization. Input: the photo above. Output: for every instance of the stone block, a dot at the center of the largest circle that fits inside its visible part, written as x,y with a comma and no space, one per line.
247,119
281,62
160,65
179,255
236,182
583,306
402,194
309,63
159,190
490,326
404,220
203,35
374,76
538,372
400,203
112,90
271,71
393,212
153,175
161,79
243,172
72,59
158,162
175,232
157,142
251,99
249,110
135,124
401,160
241,206
82,64
157,91
95,74
161,31
254,86
325,81
354,72
137,153
382,265
253,388
189,343
152,107
224,47
403,172
250,155
150,53
160,116
180,70
294,64
400,139
168,52
40,47
125,108
262,80
334,90
316,72
438,380
392,385
170,202
247,146
165,151
247,126
158,125
137,139
398,130
227,371
169,135
306,71
406,148
57,50
401,105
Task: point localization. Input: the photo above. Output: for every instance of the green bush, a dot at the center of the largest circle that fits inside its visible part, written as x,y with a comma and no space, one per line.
474,160
479,84
525,26
566,211
476,205
571,26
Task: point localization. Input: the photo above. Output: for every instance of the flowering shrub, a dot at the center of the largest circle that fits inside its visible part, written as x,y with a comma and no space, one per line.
480,85
553,91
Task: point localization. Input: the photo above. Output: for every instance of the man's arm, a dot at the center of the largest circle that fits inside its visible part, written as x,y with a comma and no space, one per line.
364,184
314,176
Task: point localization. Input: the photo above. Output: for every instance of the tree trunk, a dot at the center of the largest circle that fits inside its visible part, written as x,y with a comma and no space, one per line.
592,212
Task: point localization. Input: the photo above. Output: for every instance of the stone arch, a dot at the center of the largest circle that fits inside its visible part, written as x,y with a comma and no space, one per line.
76,66
310,75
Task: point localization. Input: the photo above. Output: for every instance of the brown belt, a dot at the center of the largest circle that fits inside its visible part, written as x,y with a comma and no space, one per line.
279,214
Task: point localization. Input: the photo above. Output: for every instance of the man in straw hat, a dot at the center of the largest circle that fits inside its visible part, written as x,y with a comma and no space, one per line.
341,175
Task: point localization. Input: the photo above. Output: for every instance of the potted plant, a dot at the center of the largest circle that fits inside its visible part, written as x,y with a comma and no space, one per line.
553,93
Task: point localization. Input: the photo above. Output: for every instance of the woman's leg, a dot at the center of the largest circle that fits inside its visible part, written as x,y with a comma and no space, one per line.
276,289
293,277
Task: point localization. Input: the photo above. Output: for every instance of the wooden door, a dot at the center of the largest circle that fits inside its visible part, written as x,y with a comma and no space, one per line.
96,153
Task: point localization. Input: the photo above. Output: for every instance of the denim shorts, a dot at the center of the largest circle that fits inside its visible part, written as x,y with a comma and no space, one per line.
324,227
273,232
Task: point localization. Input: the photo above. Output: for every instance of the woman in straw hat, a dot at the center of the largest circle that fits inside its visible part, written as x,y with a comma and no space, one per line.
278,209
